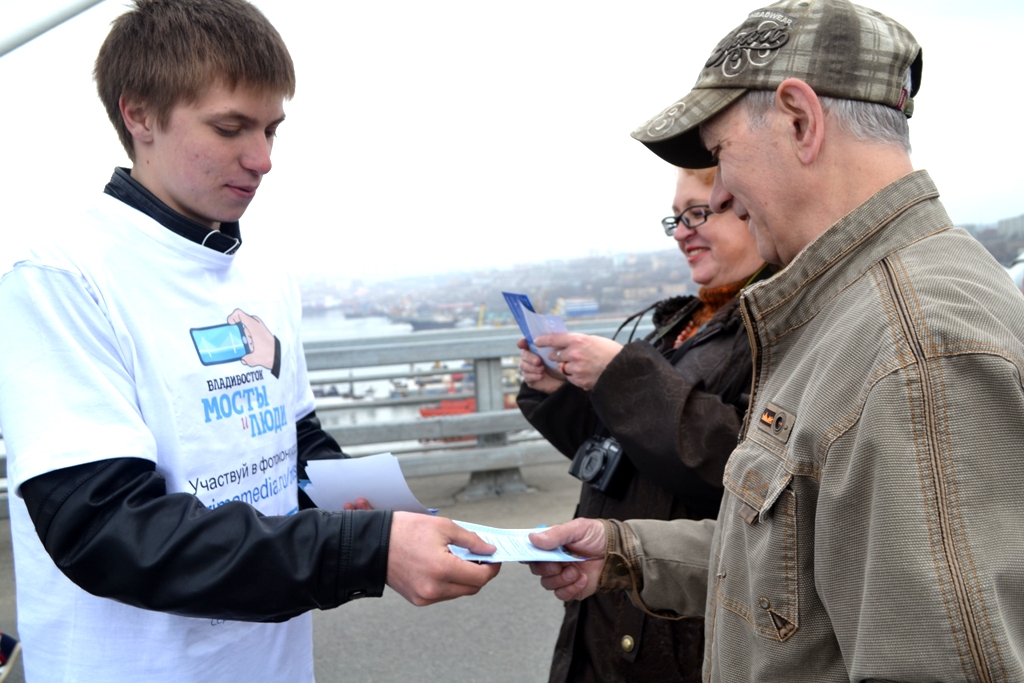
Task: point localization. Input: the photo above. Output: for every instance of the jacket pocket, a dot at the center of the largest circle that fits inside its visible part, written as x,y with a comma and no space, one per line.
758,578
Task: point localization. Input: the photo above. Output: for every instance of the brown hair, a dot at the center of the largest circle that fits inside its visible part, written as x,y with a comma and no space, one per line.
705,175
165,52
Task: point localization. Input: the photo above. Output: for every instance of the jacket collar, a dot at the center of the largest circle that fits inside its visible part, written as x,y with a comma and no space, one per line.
901,213
122,186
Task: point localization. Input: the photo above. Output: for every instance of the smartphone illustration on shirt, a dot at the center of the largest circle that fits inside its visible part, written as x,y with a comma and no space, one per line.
218,344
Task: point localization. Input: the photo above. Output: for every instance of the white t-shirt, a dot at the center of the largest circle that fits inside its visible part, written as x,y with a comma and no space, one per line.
116,343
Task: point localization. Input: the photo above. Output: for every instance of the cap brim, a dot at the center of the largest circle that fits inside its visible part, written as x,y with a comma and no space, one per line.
674,134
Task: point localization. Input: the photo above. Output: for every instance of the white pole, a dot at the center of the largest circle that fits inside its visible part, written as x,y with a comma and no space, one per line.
16,40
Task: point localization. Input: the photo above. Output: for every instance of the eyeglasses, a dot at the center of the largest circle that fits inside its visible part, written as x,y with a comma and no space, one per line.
691,217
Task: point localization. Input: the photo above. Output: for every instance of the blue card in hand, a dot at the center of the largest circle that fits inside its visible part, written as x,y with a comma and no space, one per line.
516,303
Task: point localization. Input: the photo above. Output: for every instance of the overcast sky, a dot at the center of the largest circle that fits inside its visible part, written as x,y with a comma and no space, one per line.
427,137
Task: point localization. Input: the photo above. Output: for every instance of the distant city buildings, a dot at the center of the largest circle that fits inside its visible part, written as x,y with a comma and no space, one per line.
1011,227
607,286
595,286
1006,228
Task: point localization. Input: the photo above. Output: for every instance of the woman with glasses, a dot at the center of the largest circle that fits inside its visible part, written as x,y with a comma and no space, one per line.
649,426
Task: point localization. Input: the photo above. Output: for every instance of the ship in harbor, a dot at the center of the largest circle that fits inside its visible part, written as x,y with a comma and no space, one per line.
428,322
441,317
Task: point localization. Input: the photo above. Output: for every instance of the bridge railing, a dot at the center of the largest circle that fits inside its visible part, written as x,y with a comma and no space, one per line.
489,444
501,441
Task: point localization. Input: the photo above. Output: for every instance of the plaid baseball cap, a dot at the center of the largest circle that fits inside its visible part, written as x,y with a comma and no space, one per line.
840,49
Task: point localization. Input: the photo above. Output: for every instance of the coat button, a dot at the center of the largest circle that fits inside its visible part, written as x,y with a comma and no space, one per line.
765,603
621,569
627,643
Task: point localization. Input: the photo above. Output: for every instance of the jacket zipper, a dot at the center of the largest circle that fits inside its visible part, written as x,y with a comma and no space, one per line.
959,583
755,357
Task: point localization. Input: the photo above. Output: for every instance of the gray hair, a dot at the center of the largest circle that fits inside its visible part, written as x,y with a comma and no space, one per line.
865,121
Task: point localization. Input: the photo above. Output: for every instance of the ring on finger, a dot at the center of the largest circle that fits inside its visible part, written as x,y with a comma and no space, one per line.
561,368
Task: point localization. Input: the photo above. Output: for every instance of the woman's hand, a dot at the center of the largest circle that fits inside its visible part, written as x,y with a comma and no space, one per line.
580,357
537,375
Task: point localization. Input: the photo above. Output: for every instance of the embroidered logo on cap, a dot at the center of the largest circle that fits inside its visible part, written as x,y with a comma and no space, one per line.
777,422
752,45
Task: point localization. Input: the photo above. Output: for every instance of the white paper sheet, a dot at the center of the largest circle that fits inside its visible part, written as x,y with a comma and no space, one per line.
377,478
544,324
513,546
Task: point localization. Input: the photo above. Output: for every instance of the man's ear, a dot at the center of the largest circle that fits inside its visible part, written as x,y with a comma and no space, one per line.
137,119
805,119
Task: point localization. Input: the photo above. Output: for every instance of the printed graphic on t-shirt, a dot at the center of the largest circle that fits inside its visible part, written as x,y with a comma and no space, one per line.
258,482
221,343
245,399
245,339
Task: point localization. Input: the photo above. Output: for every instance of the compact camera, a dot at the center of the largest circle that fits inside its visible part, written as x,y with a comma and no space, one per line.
601,463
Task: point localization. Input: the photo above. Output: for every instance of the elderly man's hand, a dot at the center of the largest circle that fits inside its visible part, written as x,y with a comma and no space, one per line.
537,375
423,570
581,357
572,580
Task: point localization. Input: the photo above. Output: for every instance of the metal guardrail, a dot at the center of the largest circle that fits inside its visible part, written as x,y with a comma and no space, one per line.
602,327
420,347
493,449
494,461
491,460
448,427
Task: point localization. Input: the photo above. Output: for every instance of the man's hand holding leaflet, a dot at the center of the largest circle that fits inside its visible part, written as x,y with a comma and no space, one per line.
421,574
512,545
588,538
416,570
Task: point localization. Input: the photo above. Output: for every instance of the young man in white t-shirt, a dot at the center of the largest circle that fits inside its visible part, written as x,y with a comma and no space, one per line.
154,399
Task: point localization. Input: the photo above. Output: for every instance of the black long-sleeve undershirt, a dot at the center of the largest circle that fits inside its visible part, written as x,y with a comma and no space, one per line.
113,529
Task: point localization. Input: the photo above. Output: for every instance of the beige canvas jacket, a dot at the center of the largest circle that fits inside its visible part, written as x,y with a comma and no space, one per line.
873,522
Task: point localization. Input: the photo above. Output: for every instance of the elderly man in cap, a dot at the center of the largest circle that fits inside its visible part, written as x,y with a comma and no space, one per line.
873,522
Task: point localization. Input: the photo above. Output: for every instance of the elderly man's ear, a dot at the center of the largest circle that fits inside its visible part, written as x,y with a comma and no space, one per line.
805,119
